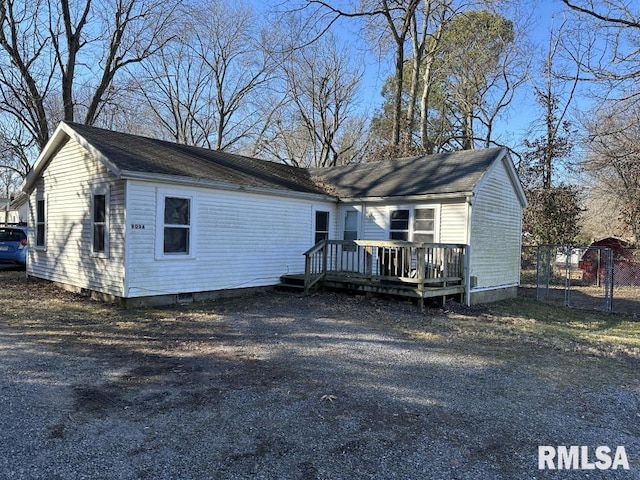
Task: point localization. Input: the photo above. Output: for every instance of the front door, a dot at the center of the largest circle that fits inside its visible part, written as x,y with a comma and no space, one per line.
351,231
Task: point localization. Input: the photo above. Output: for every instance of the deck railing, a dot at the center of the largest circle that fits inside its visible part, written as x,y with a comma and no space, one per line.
420,265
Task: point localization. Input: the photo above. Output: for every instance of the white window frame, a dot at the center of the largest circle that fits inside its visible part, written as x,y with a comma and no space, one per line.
409,222
41,198
162,194
434,232
107,226
412,217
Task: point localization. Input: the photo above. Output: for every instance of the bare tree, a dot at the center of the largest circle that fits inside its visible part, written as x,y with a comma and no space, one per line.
555,91
178,90
315,124
59,60
203,88
613,160
395,18
611,47
15,146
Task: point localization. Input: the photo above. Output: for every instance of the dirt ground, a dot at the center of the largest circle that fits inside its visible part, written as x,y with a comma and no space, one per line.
285,386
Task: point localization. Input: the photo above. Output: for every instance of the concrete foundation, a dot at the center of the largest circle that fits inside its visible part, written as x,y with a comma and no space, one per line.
494,295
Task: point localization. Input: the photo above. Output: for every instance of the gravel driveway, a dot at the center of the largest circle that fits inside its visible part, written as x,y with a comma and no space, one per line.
282,386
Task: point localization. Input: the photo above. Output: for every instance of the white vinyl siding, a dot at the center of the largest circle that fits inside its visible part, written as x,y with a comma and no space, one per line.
375,222
453,222
242,240
496,231
68,184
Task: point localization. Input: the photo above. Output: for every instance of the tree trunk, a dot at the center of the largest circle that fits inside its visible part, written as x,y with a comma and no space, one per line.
397,107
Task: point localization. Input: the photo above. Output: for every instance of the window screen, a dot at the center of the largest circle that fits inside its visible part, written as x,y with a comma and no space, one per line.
99,223
40,223
322,226
399,228
424,225
177,225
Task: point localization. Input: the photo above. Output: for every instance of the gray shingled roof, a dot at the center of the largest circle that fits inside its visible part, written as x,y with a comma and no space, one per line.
456,172
132,153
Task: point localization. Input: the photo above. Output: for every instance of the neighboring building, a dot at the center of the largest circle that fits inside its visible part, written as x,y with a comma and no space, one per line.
19,208
146,220
5,209
625,262
14,210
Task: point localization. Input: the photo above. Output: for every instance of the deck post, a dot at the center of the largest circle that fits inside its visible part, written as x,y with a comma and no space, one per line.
324,259
421,267
368,252
307,273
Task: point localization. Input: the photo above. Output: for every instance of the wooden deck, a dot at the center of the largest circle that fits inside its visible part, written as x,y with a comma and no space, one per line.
415,270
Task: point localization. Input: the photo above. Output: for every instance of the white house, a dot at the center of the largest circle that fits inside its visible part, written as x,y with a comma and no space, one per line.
19,209
143,220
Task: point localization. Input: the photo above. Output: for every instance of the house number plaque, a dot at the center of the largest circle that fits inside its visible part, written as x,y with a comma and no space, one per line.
137,226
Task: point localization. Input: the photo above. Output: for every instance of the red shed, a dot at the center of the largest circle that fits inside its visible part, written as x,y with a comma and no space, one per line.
625,264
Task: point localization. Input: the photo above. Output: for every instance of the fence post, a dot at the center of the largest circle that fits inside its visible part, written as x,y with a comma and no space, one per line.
608,279
568,251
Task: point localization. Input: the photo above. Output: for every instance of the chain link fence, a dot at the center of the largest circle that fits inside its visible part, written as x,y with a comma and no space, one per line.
600,278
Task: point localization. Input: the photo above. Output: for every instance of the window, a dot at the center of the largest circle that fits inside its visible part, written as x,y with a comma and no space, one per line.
399,228
99,221
177,225
424,225
417,224
350,228
322,226
40,223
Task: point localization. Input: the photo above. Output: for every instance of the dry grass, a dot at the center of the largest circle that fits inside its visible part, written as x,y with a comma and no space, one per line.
40,305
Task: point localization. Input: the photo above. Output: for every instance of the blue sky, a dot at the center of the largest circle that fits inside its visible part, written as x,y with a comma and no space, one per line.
543,15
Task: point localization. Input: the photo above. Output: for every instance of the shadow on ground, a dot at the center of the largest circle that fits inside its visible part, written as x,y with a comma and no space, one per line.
288,386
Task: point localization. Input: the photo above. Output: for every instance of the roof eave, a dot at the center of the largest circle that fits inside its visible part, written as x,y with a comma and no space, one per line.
206,183
408,198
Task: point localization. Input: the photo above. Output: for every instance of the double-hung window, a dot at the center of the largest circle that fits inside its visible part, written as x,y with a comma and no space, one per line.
416,224
41,223
424,225
399,226
177,226
322,226
100,224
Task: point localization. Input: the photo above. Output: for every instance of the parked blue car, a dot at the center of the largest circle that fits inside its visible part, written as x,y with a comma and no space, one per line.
13,245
